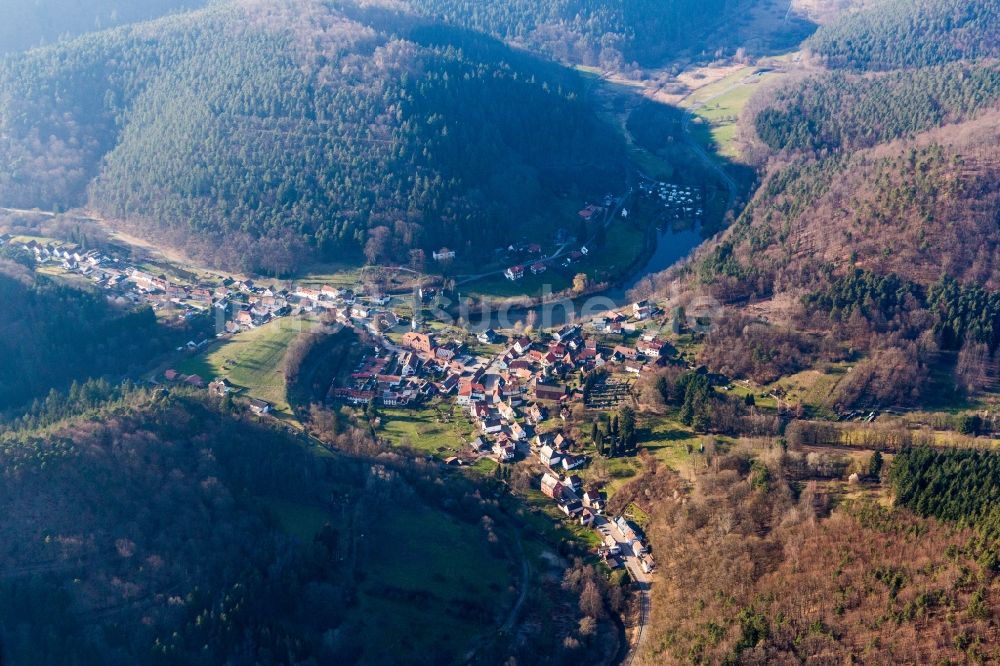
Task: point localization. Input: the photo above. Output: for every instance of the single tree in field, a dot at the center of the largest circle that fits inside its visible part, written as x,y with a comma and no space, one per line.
875,465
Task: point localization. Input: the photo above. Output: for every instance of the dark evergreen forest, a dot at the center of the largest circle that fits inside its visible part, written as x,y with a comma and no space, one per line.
260,135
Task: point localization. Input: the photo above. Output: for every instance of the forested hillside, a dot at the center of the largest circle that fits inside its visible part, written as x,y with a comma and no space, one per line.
842,111
958,486
917,208
594,32
872,239
894,34
53,334
166,531
257,134
754,572
30,23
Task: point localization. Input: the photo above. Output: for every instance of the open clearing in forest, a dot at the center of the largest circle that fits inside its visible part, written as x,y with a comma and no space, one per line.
252,360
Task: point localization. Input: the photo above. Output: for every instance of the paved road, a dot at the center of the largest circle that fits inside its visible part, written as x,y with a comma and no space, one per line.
706,159
710,163
643,581
48,213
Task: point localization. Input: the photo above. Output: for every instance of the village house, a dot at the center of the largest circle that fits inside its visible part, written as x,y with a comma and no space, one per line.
449,384
542,439
353,396
389,380
408,364
517,432
571,507
522,369
444,254
244,318
479,410
514,273
487,337
259,407
553,392
561,441
651,348
538,267
634,367
594,500
551,487
642,310
589,211
566,333
548,456
201,295
504,450
308,292
447,351
625,353
522,345
507,411
419,342
535,414
220,387
491,426
470,391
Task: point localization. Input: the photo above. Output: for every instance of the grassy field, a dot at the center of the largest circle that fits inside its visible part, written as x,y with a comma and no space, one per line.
544,518
624,244
299,520
437,596
717,88
252,360
662,437
444,589
497,286
720,104
58,273
441,429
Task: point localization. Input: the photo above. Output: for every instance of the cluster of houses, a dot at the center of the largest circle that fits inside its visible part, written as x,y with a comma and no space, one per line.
539,266
634,542
530,255
249,305
624,320
390,378
681,202
567,491
69,256
507,395
120,278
